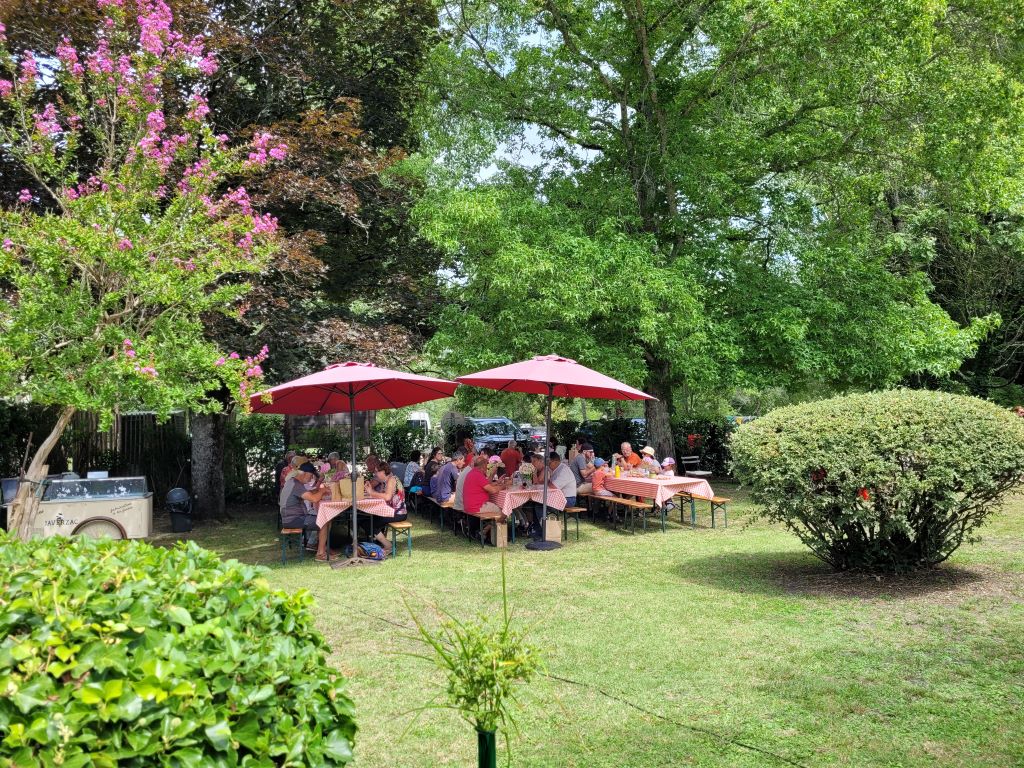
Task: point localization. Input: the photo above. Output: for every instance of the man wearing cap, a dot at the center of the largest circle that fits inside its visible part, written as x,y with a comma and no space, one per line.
582,467
293,498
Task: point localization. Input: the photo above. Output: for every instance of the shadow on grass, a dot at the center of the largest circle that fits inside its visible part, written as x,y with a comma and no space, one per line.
800,573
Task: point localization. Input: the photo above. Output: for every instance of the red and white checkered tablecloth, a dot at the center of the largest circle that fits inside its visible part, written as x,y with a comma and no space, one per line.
513,498
660,489
328,510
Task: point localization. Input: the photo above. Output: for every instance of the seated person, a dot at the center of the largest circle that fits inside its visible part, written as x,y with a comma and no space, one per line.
434,463
601,473
384,485
292,502
648,462
338,470
582,467
561,477
447,478
460,483
627,459
411,468
668,467
494,468
477,489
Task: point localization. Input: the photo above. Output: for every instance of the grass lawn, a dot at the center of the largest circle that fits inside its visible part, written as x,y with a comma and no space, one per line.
685,643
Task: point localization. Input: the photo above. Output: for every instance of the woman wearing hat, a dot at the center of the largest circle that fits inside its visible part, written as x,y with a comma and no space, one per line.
649,462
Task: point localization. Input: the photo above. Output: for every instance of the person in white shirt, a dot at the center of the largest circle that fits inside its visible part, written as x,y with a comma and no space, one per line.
562,478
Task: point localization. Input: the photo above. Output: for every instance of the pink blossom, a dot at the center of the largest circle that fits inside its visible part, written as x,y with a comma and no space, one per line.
3,33
199,108
47,122
127,343
99,61
155,20
124,244
220,361
6,87
264,225
254,371
8,244
29,68
280,152
155,120
233,355
24,196
160,193
71,193
68,56
130,353
147,370
208,65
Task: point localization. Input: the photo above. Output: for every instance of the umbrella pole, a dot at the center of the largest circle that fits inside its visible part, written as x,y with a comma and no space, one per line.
544,544
352,473
355,559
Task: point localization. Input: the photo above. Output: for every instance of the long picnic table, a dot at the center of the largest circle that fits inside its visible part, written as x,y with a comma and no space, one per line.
660,491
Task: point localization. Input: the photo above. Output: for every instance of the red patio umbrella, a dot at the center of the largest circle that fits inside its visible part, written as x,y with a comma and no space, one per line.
553,376
348,388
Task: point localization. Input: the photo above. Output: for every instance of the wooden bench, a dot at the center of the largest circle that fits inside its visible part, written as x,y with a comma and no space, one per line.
285,537
564,514
720,503
403,528
487,517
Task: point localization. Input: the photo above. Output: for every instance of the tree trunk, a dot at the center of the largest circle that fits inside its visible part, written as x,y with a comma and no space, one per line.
208,466
26,503
658,412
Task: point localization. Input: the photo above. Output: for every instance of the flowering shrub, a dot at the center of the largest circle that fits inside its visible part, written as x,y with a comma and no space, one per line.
136,227
889,481
135,655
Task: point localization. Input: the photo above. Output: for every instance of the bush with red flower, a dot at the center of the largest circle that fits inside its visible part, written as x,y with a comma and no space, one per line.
887,481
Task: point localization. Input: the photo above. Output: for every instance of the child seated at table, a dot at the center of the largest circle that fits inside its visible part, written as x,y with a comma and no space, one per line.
601,473
668,467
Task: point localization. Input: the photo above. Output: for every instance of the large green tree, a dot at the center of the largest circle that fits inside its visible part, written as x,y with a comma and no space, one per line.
750,155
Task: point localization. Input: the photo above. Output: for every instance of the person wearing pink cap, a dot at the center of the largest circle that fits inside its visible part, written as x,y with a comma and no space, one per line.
668,467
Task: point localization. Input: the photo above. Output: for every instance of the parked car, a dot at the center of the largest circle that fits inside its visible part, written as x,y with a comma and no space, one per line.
496,432
538,434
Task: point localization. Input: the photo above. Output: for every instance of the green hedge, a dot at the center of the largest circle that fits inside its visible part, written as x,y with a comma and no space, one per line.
889,481
118,653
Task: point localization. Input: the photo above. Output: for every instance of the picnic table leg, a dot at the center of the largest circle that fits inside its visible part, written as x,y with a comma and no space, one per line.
664,514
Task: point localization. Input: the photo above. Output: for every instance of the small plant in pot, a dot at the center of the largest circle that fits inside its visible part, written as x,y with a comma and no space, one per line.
484,662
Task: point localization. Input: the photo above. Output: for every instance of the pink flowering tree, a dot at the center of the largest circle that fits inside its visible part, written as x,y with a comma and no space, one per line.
137,227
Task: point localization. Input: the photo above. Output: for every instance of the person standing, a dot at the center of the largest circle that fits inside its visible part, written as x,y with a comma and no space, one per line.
511,457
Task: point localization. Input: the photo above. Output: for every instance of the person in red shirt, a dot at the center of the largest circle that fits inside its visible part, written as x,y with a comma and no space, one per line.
511,457
477,489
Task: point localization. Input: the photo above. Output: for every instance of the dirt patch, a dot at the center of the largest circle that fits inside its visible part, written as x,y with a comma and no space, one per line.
949,584
801,574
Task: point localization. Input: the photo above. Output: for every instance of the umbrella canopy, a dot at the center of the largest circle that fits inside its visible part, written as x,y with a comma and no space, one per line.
553,376
556,376
345,387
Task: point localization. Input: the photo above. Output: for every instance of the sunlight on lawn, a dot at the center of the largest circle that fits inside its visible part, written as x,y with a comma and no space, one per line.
729,635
